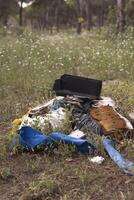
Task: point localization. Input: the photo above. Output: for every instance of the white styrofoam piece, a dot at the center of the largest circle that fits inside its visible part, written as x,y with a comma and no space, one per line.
77,134
97,159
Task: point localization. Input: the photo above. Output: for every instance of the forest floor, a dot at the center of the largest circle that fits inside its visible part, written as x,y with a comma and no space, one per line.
29,64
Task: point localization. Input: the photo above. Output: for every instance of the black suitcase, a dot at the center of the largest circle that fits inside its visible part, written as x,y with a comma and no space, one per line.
78,86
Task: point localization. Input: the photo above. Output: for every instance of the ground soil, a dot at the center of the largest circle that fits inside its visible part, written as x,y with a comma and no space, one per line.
76,178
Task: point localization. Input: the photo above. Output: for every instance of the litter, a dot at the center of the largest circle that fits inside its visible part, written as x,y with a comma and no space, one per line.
53,120
104,101
77,86
77,134
30,138
84,122
78,101
87,115
108,118
97,159
83,145
126,166
106,106
50,105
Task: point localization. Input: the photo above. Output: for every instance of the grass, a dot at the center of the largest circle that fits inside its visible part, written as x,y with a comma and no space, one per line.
29,64
78,180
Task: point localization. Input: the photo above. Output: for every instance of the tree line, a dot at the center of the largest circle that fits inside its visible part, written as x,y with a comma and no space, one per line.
62,14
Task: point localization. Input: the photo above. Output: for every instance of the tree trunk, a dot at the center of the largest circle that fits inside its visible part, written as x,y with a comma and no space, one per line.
79,15
101,13
89,14
4,13
57,15
121,22
20,14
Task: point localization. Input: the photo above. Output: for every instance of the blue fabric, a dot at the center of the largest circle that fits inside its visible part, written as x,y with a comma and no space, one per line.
82,145
126,166
30,139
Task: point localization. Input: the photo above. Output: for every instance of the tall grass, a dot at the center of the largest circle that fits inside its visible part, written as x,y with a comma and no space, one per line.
30,63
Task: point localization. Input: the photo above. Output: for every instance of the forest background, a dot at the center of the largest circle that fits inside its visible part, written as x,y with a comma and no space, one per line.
65,14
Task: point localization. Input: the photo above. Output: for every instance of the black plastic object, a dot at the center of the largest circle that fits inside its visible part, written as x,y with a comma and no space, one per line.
77,86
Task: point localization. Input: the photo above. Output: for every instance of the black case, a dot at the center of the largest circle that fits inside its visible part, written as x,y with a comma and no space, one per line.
78,86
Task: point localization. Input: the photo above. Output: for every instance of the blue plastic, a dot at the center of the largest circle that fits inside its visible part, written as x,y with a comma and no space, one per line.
82,145
30,139
125,165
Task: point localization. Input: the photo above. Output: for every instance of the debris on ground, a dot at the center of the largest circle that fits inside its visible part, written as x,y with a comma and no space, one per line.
77,134
97,159
125,165
77,103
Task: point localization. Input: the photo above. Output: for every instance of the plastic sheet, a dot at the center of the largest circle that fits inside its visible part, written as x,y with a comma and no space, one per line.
125,165
30,139
82,145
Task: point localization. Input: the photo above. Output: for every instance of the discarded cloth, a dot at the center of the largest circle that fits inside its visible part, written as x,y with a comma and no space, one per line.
126,166
91,116
54,115
85,123
30,139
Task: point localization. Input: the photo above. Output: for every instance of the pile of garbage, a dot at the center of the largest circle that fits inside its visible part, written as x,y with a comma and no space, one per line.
78,103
